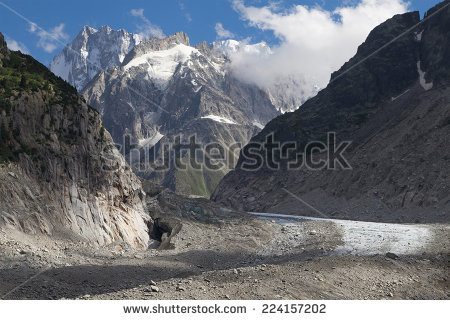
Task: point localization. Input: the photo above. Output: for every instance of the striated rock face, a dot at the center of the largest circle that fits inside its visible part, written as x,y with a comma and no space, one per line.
60,173
165,88
394,108
90,52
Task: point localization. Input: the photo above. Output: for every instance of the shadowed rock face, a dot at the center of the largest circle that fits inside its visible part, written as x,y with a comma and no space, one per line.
60,172
435,53
394,107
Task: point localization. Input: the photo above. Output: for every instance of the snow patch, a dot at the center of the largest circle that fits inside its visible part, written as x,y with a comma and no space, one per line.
418,36
197,87
84,53
426,86
219,119
218,67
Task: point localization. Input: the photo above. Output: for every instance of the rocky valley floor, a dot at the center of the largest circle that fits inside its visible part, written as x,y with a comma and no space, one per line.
266,257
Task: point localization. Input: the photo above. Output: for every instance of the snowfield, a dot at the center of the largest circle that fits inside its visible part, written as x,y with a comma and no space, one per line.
162,64
426,86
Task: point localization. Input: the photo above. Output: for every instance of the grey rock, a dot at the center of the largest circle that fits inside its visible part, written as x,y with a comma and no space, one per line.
12,174
154,288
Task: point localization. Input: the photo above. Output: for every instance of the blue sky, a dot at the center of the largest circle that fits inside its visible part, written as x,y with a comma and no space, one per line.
198,18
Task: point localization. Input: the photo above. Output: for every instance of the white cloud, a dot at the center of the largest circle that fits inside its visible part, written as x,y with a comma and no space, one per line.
187,15
147,29
313,42
50,40
137,12
223,33
16,46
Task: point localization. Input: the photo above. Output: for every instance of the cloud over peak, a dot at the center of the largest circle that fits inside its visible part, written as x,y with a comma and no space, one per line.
314,42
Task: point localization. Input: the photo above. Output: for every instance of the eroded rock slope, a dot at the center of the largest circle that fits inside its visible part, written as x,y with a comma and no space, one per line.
60,172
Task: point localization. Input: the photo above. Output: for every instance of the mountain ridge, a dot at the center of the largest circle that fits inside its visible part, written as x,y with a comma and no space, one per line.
79,71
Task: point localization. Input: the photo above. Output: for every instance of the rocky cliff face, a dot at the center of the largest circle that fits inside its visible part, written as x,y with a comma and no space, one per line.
394,107
165,88
60,172
90,52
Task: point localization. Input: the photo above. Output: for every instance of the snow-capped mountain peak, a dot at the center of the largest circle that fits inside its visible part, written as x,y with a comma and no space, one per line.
92,51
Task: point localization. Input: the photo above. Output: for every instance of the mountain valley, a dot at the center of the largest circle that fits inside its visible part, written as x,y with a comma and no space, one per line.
87,214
